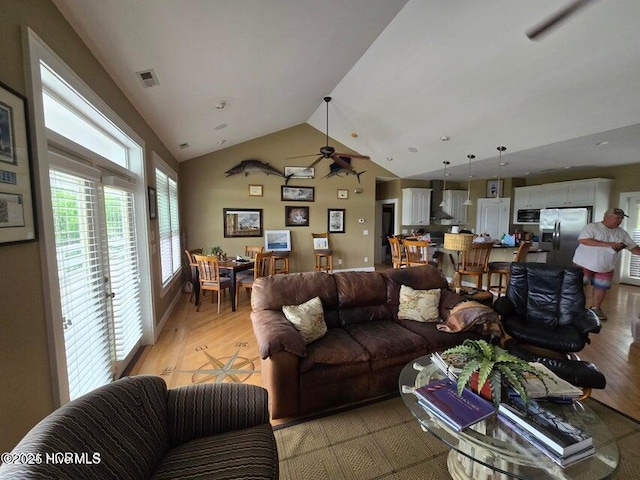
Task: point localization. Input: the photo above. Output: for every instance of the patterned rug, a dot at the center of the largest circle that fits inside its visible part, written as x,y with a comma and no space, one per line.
383,441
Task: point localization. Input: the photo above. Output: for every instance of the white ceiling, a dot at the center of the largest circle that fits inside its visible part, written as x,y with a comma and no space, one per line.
402,76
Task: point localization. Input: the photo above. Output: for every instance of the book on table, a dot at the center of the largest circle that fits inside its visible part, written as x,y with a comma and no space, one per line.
563,461
556,387
441,398
553,431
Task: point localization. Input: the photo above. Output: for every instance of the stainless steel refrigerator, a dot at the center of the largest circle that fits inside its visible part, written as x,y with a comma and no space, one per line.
559,228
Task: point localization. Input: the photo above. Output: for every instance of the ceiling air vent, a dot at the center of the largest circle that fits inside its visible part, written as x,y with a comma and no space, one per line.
148,78
184,145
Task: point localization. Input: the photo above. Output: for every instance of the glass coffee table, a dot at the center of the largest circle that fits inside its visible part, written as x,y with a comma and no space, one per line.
491,450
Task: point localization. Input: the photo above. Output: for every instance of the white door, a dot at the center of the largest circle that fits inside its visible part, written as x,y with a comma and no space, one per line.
630,264
493,216
99,280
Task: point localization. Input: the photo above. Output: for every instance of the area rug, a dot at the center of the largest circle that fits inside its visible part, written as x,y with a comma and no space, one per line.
383,441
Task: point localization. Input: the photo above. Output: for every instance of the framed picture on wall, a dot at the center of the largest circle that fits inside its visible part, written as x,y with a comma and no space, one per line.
296,216
17,207
335,220
255,190
495,188
299,172
297,194
242,222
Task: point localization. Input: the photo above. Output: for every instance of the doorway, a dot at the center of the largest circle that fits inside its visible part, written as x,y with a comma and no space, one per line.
386,225
630,264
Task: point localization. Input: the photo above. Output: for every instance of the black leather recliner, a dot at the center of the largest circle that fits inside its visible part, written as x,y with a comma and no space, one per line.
544,306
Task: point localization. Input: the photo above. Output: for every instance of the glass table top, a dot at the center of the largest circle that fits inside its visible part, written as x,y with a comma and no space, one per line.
494,445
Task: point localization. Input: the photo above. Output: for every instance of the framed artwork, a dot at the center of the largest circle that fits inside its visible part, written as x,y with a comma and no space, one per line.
494,188
336,220
255,190
242,222
296,216
299,172
343,193
153,203
297,194
277,240
17,206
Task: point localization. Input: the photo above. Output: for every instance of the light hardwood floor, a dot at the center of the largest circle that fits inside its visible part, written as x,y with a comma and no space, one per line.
207,347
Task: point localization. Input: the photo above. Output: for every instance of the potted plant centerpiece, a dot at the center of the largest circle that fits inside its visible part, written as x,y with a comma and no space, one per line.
488,369
217,252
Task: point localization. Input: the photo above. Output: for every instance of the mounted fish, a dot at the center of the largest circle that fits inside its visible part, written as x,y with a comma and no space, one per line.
343,165
253,166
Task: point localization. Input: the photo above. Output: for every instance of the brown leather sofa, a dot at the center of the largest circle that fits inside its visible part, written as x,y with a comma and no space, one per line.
365,347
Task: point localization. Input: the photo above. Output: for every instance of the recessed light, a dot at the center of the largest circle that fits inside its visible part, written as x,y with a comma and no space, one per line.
502,164
221,126
602,143
221,105
389,159
354,135
413,149
445,138
567,167
184,145
221,142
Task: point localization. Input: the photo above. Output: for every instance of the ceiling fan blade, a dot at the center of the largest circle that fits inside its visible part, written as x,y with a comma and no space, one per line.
350,155
561,15
316,162
340,160
302,156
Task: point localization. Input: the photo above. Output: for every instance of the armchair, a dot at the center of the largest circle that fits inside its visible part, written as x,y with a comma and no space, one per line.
134,428
544,307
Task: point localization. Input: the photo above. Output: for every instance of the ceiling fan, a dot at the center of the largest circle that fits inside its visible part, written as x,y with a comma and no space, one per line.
329,152
558,17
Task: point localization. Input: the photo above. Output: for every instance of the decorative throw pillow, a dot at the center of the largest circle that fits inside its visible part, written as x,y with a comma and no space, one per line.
474,316
308,318
419,305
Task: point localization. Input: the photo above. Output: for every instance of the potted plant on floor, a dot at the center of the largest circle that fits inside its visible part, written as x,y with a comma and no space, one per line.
489,369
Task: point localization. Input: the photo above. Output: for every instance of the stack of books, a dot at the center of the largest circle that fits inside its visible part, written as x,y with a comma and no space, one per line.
554,436
440,399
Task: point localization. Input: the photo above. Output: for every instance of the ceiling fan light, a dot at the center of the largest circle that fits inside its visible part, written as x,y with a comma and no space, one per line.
443,204
467,202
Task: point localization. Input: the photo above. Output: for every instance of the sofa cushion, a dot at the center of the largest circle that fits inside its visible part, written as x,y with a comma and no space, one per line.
361,297
271,293
387,342
418,278
436,340
336,348
307,318
419,305
248,453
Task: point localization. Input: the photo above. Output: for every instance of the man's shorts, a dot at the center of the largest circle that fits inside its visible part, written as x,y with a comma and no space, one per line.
598,279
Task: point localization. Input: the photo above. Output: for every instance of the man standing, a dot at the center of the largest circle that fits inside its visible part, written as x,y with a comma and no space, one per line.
599,246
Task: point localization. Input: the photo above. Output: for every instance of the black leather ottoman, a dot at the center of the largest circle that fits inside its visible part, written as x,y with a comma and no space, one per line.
577,372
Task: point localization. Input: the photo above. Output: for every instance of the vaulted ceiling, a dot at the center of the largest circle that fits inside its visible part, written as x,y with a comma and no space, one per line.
403,75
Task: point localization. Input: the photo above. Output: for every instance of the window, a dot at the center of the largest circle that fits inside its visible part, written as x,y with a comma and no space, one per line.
168,221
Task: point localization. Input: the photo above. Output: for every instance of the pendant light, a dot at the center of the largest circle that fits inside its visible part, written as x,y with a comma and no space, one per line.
444,184
468,201
500,149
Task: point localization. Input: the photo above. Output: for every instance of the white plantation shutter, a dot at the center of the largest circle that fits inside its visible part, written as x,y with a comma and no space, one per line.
634,231
168,224
123,268
82,282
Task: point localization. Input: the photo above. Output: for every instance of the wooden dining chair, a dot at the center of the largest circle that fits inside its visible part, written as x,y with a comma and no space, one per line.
474,262
503,269
263,267
192,264
251,251
397,258
417,252
209,277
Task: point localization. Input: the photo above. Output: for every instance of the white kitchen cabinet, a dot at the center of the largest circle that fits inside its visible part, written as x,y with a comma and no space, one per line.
416,206
593,192
454,200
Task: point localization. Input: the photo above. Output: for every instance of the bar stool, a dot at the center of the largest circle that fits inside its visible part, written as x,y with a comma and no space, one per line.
280,262
323,254
503,269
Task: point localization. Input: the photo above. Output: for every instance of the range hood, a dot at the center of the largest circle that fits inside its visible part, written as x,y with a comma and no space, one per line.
437,214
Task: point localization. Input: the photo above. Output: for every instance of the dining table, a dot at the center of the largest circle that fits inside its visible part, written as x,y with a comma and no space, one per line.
232,267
